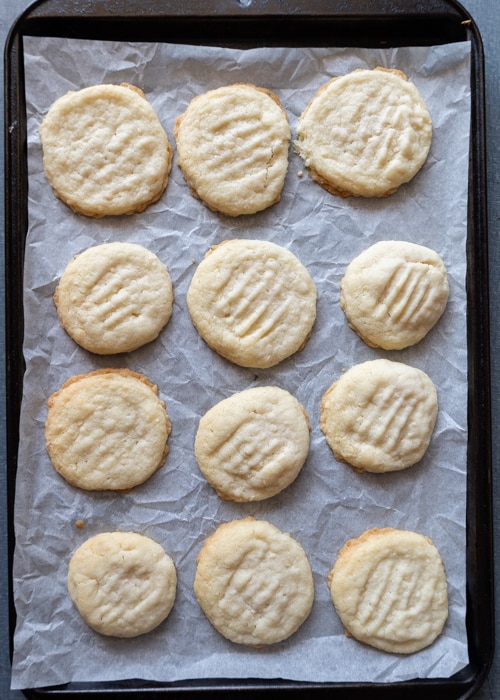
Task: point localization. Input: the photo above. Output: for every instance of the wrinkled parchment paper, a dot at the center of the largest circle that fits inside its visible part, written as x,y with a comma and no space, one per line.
329,503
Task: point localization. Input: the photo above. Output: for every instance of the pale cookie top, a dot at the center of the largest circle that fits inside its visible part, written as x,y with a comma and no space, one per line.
123,584
253,302
253,444
254,582
379,416
107,430
232,146
114,297
389,589
105,150
393,293
365,133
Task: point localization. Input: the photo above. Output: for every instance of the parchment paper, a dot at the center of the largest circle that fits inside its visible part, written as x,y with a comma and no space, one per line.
329,503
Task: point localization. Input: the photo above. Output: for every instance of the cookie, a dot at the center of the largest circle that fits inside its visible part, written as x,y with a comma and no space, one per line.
114,298
393,293
379,416
389,589
105,151
107,430
365,133
253,444
253,302
123,584
254,582
232,148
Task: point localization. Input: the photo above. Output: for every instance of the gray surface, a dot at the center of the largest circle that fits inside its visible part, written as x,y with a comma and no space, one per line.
487,16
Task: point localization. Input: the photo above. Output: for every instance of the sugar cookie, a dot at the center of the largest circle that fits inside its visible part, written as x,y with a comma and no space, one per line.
253,302
123,584
365,133
107,430
389,589
379,416
114,297
254,582
253,444
232,145
393,293
105,151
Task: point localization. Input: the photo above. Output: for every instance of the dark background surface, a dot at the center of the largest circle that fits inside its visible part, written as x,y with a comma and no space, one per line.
486,14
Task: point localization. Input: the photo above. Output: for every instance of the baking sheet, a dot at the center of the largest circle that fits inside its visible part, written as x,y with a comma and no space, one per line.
329,502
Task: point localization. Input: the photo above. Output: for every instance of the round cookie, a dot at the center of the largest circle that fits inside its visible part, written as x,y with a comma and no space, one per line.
389,589
107,430
379,416
393,293
253,582
232,147
365,133
253,444
123,584
105,151
253,302
114,298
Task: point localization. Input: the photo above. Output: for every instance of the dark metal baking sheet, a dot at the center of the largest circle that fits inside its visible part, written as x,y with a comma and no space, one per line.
249,23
